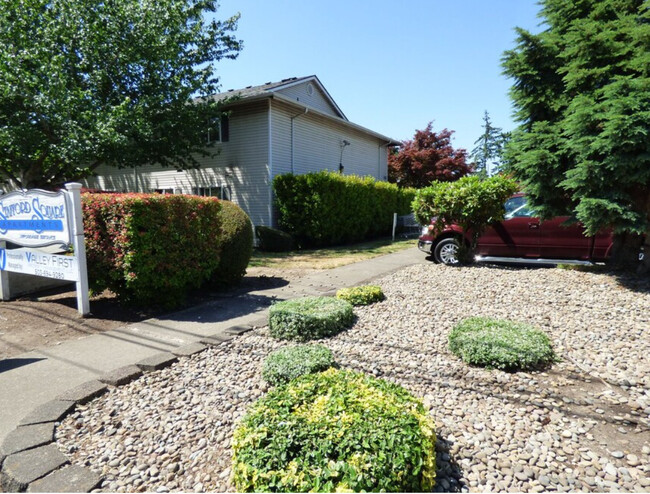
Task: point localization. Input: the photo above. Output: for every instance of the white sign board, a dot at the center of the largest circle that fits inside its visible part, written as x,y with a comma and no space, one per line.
30,261
35,218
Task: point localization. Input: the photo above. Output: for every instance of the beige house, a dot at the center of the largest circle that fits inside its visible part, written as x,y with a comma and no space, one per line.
291,126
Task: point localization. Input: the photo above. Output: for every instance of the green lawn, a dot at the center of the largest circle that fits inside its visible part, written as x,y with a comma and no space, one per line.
330,257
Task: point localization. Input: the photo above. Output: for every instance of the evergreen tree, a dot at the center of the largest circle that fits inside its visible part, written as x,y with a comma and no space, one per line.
582,97
488,153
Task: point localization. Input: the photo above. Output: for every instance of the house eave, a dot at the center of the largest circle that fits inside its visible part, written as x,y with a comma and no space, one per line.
387,141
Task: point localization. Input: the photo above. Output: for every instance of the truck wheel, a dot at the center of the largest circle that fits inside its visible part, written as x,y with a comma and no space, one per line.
446,252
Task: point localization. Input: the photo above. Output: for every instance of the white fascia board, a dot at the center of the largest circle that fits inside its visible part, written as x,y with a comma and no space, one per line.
315,79
388,141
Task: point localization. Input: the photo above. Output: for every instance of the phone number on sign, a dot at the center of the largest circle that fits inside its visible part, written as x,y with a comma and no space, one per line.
49,274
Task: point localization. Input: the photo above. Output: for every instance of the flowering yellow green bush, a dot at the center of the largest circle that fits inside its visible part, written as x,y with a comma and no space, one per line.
335,431
361,295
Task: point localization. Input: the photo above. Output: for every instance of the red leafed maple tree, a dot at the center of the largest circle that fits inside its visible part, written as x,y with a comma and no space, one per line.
427,158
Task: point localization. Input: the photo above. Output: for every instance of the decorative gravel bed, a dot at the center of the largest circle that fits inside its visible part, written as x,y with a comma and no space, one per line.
582,425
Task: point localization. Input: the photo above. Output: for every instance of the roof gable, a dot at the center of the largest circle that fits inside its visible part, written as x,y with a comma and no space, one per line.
308,91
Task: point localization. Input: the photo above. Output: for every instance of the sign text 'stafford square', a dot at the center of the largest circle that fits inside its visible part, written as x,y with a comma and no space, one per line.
35,218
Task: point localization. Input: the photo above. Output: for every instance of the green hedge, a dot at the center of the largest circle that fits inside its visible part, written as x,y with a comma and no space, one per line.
290,362
500,344
236,242
273,240
327,208
309,318
335,431
151,248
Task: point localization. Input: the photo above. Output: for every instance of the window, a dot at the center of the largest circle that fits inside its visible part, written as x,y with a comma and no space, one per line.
219,191
517,207
164,191
218,129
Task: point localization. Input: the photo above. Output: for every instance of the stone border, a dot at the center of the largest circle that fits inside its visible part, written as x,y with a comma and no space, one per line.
29,458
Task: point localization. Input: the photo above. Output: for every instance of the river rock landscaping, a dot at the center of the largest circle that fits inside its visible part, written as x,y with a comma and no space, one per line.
582,424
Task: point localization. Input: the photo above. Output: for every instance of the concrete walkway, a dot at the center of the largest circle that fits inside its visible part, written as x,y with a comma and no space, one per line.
36,377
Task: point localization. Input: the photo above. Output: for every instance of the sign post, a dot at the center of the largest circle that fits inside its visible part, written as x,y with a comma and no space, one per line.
74,194
35,219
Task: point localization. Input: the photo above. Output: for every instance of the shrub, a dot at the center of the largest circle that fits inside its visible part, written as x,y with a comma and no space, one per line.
470,202
150,248
361,295
335,431
273,240
309,318
287,363
236,242
327,208
500,344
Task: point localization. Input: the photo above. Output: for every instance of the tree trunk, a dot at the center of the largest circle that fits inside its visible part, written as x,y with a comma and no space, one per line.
625,252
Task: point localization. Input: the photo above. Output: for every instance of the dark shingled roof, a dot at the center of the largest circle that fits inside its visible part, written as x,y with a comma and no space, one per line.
251,91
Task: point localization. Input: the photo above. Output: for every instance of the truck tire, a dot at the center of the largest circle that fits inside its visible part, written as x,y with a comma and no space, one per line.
446,251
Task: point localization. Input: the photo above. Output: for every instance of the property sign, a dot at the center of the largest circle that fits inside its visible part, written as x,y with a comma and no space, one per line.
30,261
35,218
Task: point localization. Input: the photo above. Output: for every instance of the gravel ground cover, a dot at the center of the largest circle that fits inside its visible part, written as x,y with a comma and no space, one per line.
582,425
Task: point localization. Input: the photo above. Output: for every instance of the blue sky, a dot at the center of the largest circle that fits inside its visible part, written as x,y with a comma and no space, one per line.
391,66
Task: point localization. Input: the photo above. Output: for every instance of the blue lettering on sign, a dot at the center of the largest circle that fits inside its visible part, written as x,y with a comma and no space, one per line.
37,226
3,259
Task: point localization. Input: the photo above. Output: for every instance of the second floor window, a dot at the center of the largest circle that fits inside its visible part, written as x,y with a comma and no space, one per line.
218,129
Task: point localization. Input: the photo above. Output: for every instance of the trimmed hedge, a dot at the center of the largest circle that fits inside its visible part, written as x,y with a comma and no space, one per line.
327,208
309,318
236,242
335,431
285,364
501,344
273,240
151,248
361,295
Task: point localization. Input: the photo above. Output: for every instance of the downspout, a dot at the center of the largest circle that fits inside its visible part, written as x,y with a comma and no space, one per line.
270,165
379,161
292,135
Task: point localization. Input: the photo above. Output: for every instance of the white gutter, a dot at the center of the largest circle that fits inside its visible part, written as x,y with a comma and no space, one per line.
297,104
292,135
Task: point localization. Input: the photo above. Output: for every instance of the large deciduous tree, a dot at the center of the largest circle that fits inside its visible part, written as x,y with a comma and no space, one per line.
427,158
582,97
120,82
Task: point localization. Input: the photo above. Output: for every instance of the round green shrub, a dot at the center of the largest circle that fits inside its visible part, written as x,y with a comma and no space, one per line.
285,364
500,344
236,242
361,295
273,240
335,431
309,318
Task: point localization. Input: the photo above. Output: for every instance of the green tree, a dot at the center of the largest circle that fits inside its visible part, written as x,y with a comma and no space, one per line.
89,82
488,153
582,97
470,202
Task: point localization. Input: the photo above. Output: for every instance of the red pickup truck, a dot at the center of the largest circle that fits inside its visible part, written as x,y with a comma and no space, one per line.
522,237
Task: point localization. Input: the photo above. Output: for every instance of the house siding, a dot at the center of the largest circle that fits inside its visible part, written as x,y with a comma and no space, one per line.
246,153
317,100
317,145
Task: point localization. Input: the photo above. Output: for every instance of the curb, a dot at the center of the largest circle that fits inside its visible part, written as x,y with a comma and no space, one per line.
29,458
